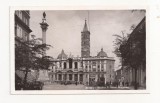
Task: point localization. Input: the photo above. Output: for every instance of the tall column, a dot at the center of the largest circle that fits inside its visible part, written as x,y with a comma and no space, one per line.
67,77
100,67
57,64
88,66
105,65
62,77
62,65
67,64
105,76
53,68
78,65
54,78
138,75
44,27
72,77
73,66
96,79
88,79
96,66
78,77
84,66
142,77
57,77
84,78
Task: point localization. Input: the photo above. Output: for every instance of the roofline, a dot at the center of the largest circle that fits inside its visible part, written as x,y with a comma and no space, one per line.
143,20
86,59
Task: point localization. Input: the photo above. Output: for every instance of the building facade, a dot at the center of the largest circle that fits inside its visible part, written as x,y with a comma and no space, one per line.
22,33
82,70
86,69
137,44
135,70
22,28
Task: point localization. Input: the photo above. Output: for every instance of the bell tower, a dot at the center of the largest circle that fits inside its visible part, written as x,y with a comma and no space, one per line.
85,42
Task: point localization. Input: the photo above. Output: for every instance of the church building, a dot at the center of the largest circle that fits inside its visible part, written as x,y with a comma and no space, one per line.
86,69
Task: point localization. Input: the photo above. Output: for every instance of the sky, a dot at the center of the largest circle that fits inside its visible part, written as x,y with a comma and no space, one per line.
65,27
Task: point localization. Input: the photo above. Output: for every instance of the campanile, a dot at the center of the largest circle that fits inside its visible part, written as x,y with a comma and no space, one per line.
85,42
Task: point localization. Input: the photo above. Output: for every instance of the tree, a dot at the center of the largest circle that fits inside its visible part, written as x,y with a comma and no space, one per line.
119,43
29,55
131,48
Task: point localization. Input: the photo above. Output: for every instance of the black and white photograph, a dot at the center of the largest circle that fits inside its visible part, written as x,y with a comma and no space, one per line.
83,51
80,50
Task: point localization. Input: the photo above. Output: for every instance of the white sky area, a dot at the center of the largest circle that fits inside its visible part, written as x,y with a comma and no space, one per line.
65,26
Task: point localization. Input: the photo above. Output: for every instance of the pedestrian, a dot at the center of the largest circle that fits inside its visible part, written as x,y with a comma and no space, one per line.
107,85
76,82
123,83
117,84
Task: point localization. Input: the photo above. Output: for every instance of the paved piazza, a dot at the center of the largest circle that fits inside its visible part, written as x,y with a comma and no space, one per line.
63,87
55,86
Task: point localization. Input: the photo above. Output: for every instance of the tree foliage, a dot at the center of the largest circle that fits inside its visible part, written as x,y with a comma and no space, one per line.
119,42
30,55
132,48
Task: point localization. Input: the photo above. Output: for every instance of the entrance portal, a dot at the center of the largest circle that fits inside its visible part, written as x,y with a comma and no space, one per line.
70,77
92,81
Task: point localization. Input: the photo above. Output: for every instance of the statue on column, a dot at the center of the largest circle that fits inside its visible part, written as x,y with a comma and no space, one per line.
44,15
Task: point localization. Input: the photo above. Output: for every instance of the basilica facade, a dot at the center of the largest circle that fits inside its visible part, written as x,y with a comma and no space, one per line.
85,69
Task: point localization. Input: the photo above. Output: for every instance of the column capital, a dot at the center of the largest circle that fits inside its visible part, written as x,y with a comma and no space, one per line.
44,26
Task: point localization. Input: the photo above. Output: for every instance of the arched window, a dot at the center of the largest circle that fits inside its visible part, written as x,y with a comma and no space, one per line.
76,65
59,77
102,67
70,63
65,65
86,66
70,76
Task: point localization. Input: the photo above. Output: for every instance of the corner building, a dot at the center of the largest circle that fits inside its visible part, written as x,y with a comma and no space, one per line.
22,28
85,69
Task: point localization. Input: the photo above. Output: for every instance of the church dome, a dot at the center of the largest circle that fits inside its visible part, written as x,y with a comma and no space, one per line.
62,55
102,54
